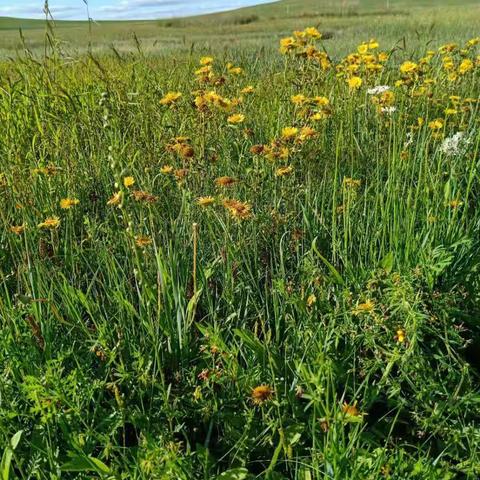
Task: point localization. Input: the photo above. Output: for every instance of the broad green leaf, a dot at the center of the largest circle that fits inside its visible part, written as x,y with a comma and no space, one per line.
7,456
80,463
387,262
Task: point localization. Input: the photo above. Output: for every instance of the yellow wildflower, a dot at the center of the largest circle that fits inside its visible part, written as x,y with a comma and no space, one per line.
299,99
248,89
234,70
473,41
354,83
351,182
287,44
367,307
206,61
408,67
311,300
205,201
382,57
236,118
170,98
166,169
67,203
283,171
454,204
321,101
400,336
436,124
128,182
465,66
289,132
116,199
50,223
312,32
363,48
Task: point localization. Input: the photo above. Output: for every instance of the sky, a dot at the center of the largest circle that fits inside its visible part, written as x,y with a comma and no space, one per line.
119,9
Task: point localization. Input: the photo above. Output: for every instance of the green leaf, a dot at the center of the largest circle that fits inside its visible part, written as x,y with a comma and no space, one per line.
387,262
83,463
336,277
293,434
7,456
16,439
234,474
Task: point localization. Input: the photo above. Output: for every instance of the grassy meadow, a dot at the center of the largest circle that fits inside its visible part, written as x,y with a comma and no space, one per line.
242,246
406,23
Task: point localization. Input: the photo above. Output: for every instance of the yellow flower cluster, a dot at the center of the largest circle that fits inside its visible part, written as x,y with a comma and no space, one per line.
303,44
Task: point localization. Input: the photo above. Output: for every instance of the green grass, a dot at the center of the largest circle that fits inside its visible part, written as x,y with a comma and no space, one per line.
253,27
133,334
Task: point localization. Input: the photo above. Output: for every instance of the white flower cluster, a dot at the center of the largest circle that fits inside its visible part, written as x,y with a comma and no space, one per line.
409,140
378,89
455,145
388,109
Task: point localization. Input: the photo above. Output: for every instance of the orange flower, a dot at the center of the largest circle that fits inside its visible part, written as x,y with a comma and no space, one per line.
306,133
238,210
351,410
146,197
262,394
225,181
143,241
17,229
186,151
181,173
257,149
